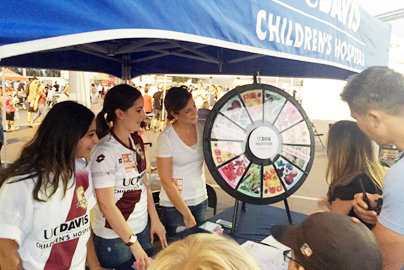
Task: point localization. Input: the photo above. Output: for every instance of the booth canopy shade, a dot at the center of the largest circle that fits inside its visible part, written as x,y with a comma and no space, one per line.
12,76
128,38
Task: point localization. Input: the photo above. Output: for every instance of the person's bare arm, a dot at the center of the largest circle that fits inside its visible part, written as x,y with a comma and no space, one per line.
156,227
341,207
164,166
36,101
392,246
9,257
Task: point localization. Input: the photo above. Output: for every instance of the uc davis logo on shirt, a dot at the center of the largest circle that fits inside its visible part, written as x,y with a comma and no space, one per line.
81,198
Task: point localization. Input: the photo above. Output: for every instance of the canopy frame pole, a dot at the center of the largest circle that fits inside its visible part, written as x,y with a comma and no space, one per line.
257,77
210,89
161,47
194,57
126,67
131,47
190,49
242,59
84,50
163,111
3,113
300,91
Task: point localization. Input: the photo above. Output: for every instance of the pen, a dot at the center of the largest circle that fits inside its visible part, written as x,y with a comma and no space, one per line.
249,248
263,243
365,197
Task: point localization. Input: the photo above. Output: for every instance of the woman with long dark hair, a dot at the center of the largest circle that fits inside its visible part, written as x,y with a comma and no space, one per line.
46,195
351,163
122,232
180,159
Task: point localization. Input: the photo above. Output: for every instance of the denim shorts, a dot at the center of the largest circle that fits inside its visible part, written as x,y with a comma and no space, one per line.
114,254
174,222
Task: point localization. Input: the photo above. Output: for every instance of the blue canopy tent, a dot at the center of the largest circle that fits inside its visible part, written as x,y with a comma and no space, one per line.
127,38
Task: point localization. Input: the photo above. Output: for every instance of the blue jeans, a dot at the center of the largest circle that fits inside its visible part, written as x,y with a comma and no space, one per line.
114,254
41,112
174,222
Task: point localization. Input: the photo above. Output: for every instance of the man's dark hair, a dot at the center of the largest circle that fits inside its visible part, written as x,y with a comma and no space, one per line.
378,88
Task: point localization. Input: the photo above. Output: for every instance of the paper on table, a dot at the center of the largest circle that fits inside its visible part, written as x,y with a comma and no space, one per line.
270,240
267,258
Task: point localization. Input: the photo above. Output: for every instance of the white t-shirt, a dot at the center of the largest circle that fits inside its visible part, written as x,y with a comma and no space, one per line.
198,98
391,215
153,89
63,97
51,234
187,166
115,165
51,94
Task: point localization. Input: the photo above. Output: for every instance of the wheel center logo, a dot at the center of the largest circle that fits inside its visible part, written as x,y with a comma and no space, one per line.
264,142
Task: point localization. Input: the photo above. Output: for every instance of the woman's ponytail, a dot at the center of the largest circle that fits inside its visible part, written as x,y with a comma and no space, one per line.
102,126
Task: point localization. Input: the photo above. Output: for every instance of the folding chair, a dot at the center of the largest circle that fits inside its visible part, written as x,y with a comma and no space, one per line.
212,198
318,135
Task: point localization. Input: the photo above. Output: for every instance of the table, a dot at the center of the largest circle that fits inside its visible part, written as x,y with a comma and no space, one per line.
255,221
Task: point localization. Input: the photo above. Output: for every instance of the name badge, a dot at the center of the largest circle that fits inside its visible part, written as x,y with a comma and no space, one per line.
179,183
129,163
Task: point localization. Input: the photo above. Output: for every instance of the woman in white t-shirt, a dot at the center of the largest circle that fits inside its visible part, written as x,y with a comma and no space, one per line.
180,165
125,202
199,96
46,195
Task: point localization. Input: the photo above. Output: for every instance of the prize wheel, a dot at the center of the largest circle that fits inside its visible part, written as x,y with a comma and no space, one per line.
258,144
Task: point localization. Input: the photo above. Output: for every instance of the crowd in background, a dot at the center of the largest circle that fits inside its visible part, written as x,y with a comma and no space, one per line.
205,97
98,92
35,96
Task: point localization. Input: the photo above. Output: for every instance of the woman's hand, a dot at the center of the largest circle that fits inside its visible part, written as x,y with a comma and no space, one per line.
361,208
140,255
189,220
156,227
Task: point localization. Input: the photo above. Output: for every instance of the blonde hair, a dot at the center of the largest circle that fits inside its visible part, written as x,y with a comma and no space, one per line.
204,252
205,105
350,153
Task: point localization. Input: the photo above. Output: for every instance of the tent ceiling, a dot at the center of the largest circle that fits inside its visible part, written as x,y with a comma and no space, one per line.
128,38
128,58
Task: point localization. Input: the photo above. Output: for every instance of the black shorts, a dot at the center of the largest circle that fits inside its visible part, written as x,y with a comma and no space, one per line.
10,116
31,109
